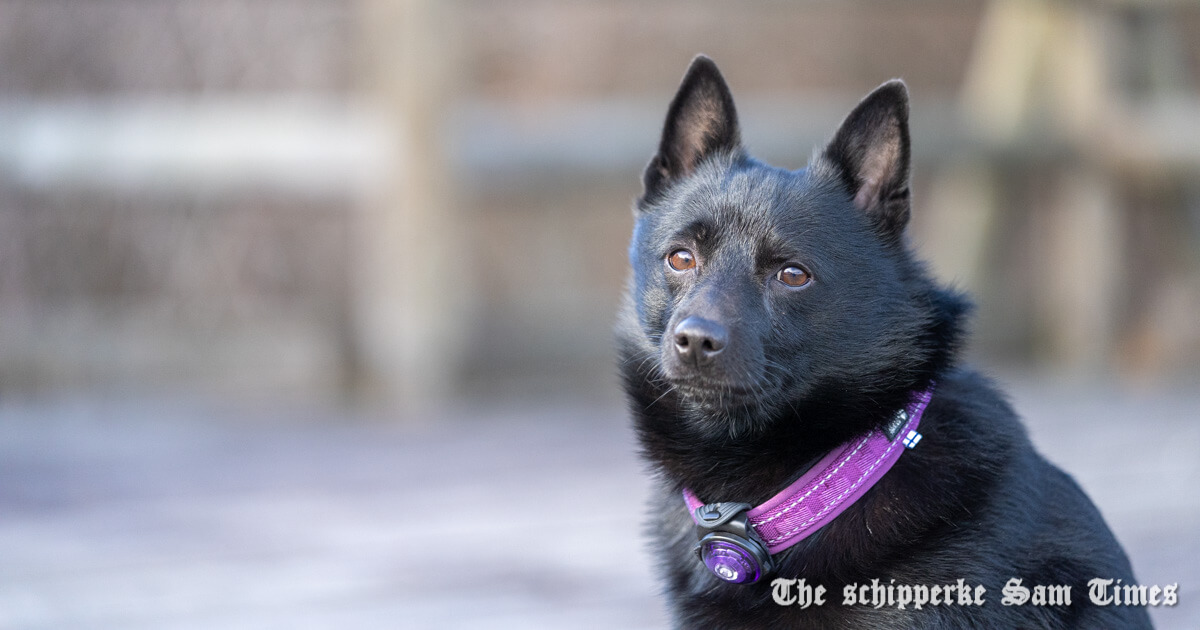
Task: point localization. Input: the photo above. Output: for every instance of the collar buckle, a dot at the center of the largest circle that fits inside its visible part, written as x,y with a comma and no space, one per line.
729,546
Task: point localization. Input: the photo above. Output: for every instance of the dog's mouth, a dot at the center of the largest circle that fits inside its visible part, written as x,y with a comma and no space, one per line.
717,407
711,392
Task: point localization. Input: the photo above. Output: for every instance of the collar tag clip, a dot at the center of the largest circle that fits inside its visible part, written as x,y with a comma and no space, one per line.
892,428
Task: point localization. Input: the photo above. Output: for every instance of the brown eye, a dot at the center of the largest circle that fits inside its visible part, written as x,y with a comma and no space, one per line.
681,260
793,276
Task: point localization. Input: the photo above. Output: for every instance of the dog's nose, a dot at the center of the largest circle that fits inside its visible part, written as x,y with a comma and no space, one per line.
699,341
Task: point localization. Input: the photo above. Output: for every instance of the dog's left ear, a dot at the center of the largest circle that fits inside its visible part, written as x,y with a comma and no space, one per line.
871,154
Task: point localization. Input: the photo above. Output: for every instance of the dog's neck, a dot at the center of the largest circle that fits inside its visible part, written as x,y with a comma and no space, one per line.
754,467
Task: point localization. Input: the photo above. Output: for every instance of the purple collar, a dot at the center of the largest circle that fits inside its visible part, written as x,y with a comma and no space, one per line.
813,500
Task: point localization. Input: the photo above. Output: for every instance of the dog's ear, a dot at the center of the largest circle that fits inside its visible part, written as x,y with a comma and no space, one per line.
871,154
700,122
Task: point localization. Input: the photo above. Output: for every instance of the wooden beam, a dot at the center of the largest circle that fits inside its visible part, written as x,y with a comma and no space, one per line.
408,323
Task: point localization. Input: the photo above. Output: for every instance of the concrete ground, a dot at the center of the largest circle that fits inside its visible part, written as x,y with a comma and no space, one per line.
183,513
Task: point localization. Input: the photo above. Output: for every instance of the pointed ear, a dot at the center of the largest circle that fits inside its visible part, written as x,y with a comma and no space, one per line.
700,122
870,152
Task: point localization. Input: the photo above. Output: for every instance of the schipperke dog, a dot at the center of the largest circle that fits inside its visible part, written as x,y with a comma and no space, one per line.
791,368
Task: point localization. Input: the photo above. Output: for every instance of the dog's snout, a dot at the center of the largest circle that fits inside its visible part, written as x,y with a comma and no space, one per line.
698,341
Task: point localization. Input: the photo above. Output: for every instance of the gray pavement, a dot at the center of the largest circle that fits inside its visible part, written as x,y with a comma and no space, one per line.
182,513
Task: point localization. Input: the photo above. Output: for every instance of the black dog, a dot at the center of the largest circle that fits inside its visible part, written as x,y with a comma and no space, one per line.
774,316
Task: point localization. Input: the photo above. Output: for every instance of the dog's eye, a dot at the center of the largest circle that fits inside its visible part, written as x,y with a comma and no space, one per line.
793,276
681,260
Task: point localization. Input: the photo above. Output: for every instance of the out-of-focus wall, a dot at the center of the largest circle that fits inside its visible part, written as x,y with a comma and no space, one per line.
420,199
156,228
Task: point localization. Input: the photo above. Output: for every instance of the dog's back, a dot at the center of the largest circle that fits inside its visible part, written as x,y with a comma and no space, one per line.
775,315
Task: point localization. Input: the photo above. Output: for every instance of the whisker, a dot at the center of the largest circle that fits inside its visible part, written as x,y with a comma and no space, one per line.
670,388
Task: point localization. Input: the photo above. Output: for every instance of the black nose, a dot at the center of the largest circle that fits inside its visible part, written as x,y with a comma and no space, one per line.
699,341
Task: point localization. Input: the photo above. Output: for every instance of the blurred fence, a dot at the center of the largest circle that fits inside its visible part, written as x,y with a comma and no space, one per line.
410,200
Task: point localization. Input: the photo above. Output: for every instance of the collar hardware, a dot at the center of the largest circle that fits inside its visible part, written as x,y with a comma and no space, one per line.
729,546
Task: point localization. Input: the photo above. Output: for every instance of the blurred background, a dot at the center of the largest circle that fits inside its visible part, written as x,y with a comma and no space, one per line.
295,294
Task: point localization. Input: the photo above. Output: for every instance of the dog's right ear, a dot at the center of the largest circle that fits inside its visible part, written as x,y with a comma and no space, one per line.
700,122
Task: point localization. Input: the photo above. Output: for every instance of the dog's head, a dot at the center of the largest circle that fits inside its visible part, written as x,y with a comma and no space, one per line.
756,289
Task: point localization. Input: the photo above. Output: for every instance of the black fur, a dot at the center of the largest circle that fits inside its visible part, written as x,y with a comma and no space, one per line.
801,370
